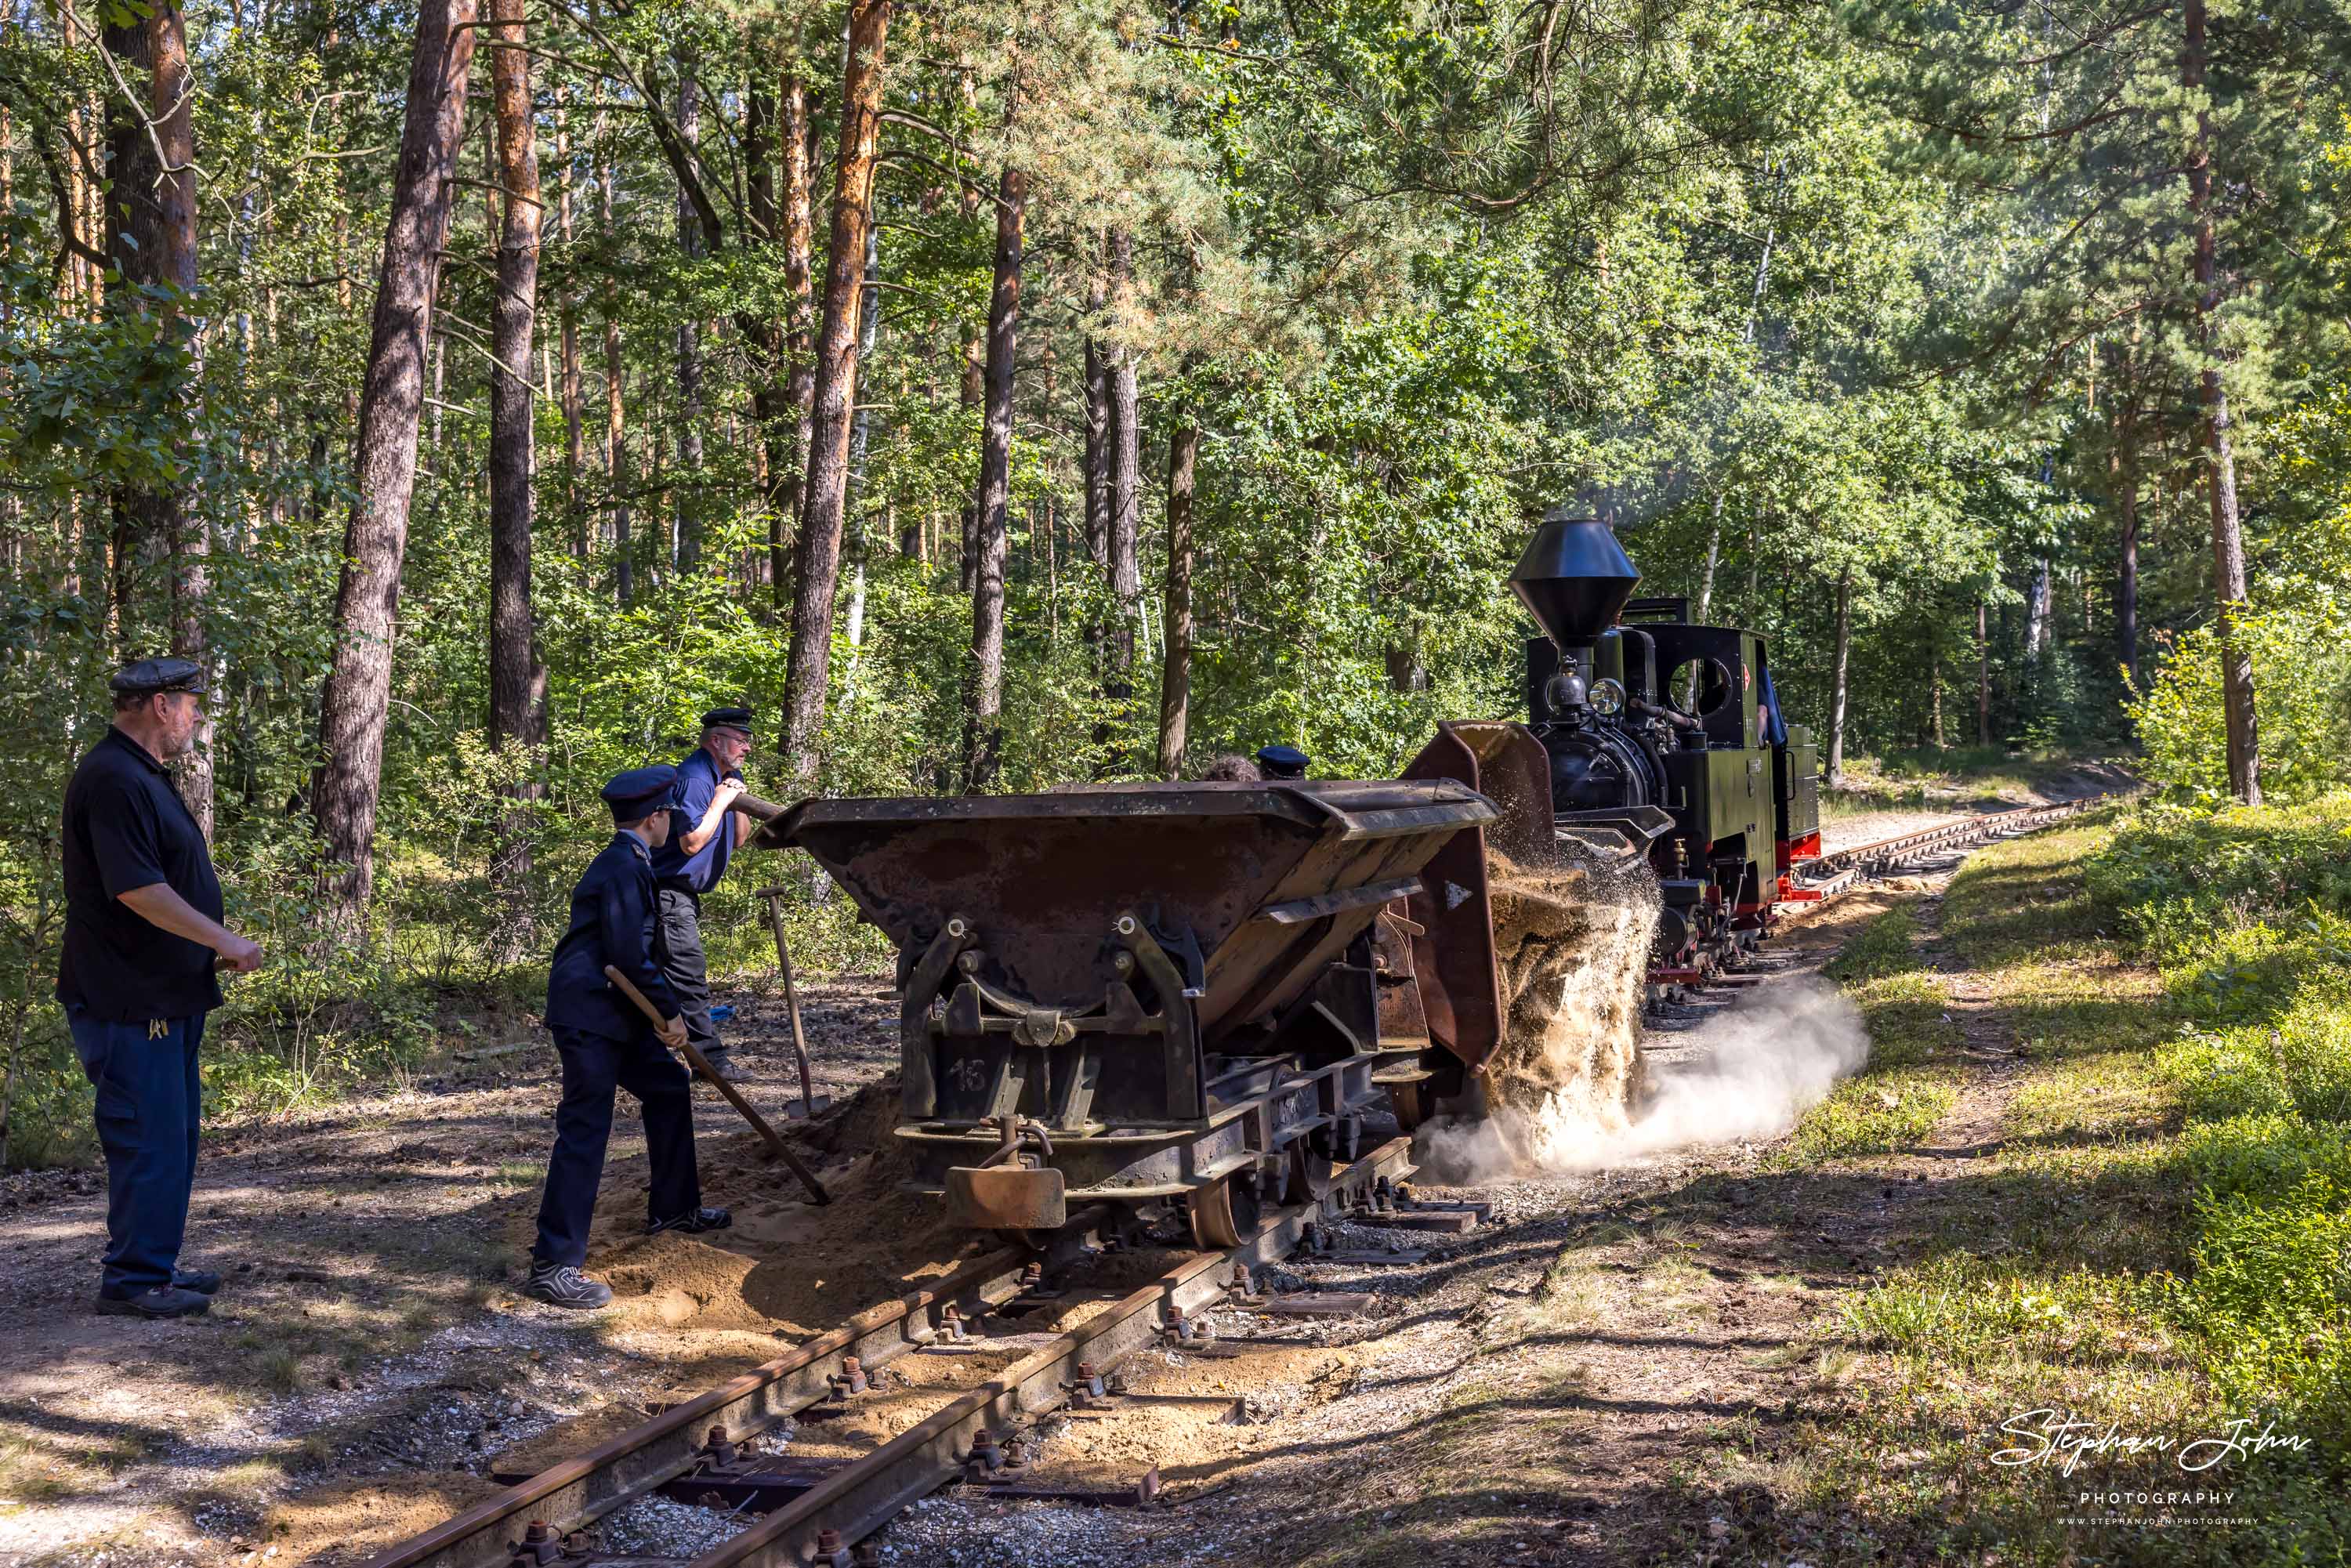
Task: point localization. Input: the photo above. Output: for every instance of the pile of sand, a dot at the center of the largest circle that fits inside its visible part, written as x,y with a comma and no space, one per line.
786,1268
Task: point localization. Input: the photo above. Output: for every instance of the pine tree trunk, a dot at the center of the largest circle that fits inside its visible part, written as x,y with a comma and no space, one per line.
575,430
358,694
1176,669
687,555
800,245
1835,767
518,677
2126,579
151,235
616,432
1984,677
817,557
1123,450
1097,434
2221,471
983,734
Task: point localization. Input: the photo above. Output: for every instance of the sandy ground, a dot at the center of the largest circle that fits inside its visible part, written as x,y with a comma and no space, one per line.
370,1346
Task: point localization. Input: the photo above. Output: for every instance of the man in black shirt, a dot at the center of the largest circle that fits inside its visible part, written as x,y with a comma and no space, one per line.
143,934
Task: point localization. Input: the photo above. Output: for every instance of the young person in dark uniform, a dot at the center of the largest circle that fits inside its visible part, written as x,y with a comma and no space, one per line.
608,1044
702,832
142,935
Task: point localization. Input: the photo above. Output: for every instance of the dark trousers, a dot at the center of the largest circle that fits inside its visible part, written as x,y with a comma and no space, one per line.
593,1068
150,1110
679,953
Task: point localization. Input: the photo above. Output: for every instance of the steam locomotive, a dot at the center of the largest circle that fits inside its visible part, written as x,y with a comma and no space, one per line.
1670,732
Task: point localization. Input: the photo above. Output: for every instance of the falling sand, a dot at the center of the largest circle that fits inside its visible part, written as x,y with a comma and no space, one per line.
1567,1089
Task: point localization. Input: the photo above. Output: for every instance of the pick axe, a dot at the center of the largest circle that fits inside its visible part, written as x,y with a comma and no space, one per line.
776,1145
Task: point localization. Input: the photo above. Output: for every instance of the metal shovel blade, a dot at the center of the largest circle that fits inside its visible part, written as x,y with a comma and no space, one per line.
801,1111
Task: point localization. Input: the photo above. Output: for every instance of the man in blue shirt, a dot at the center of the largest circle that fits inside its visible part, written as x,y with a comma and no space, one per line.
702,832
142,939
608,1045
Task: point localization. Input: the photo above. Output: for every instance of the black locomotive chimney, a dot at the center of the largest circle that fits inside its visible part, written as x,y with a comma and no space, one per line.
1574,577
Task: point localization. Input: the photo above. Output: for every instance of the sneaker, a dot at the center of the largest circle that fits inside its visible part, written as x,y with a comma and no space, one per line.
723,1063
565,1286
693,1222
163,1302
202,1282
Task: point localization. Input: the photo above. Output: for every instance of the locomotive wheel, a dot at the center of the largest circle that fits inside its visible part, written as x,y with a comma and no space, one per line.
1224,1211
1309,1172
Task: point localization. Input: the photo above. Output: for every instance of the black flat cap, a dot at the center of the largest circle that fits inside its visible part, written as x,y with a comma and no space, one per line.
149,676
640,792
1283,761
728,718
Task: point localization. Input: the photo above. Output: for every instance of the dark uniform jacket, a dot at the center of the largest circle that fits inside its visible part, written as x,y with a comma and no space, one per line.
612,923
697,784
125,829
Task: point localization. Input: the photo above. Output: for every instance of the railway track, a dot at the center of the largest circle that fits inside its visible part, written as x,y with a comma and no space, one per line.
1842,869
817,1510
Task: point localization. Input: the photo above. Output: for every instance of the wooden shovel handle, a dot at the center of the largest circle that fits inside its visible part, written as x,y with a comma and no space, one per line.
776,1145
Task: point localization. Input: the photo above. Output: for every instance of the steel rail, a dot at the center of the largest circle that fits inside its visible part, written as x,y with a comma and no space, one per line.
1865,860
631,1464
865,1494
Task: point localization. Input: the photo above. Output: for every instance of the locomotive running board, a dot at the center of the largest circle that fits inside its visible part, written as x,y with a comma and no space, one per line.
1625,832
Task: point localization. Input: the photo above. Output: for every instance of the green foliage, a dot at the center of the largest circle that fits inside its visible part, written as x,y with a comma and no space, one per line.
2303,703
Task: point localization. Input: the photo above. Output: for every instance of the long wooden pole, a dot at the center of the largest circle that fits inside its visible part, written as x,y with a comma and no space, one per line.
776,1145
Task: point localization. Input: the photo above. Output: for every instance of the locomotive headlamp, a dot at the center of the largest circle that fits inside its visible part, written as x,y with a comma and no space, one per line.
1607,697
1566,696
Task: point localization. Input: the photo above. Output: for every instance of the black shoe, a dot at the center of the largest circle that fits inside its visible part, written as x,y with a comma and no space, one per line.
565,1286
202,1282
723,1064
163,1302
694,1222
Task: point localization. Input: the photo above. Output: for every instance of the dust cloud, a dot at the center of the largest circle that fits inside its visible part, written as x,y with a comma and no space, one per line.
1567,1092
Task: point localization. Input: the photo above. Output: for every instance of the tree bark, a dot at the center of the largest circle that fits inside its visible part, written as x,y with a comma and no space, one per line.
575,434
1097,433
817,557
358,693
518,677
151,235
1123,443
1984,677
1835,765
983,734
1176,669
799,381
2126,577
687,555
616,442
2221,473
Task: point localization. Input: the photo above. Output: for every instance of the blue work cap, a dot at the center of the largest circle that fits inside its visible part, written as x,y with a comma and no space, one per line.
640,792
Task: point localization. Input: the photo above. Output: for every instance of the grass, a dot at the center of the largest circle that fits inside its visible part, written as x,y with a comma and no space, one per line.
1925,778
2163,1241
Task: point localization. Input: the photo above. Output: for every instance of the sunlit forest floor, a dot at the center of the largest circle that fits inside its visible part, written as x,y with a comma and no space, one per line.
2084,1169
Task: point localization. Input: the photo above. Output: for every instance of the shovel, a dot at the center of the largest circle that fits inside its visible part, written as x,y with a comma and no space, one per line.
776,1145
808,1104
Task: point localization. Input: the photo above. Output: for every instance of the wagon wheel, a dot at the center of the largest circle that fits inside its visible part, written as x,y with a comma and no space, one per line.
1309,1172
1224,1211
